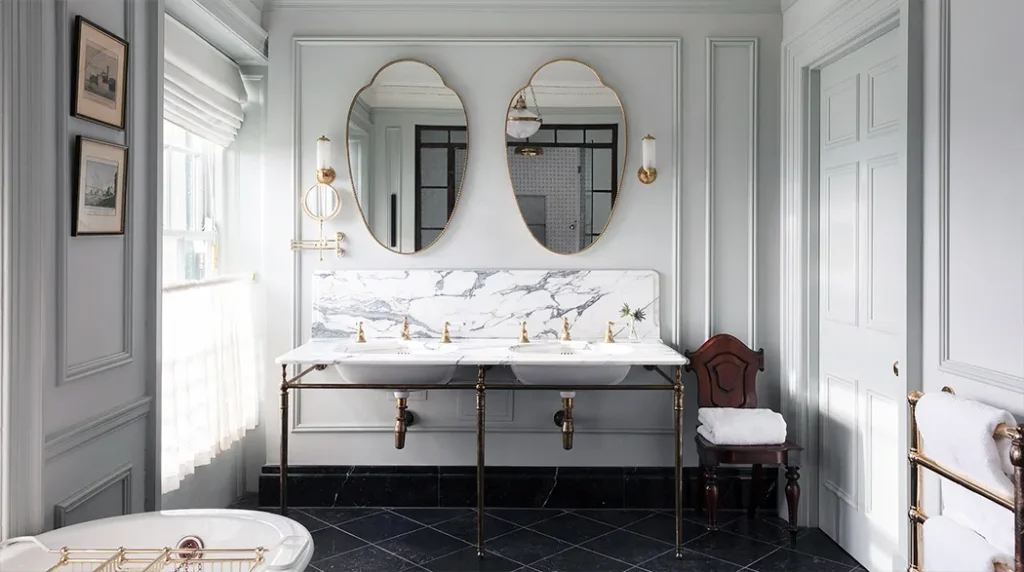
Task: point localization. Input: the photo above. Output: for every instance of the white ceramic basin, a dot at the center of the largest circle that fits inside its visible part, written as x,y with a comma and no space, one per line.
558,363
396,351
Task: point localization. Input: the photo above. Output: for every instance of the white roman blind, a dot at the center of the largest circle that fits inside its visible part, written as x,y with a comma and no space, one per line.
203,89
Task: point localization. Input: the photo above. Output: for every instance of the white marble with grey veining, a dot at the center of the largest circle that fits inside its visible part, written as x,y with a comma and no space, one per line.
479,351
482,303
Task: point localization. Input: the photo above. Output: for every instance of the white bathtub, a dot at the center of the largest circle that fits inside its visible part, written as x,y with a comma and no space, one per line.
288,544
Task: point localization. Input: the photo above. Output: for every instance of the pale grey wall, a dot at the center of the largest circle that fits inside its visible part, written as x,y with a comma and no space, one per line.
661,226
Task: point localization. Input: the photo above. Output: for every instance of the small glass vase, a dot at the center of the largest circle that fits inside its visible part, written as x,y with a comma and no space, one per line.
632,330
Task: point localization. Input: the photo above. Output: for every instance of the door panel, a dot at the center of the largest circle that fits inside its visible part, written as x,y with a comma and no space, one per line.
862,261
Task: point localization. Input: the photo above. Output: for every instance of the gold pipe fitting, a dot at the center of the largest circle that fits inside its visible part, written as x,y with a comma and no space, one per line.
565,330
523,338
568,429
400,424
360,335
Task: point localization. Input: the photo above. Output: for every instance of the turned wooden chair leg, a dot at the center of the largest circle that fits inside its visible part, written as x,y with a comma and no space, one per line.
755,494
700,489
792,499
711,495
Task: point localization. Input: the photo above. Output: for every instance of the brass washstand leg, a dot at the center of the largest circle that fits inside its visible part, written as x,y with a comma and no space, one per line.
480,407
563,419
915,545
1017,460
284,441
677,406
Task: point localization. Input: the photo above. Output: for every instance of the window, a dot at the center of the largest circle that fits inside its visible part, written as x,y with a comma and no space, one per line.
439,150
193,172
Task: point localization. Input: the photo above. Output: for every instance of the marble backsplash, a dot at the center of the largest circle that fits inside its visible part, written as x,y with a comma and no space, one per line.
483,303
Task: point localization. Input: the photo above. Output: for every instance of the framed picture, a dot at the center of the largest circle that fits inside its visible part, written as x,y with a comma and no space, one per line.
101,75
99,194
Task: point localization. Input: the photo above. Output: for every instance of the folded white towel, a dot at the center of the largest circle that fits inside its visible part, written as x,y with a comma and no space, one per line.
732,426
984,517
957,432
949,547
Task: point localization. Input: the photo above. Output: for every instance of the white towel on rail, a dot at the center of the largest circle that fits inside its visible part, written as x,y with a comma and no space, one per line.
949,547
733,426
957,433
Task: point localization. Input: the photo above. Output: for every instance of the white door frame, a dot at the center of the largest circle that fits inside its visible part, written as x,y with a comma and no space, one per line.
844,29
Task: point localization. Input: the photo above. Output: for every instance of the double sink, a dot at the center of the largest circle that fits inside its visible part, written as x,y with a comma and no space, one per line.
541,362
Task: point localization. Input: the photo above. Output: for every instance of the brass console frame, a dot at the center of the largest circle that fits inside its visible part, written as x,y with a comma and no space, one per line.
918,460
675,384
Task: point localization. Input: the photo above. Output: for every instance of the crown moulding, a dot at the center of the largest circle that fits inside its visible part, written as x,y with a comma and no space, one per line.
684,6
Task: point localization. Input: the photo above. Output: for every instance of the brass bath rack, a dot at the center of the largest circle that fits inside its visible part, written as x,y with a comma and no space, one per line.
180,559
674,384
918,460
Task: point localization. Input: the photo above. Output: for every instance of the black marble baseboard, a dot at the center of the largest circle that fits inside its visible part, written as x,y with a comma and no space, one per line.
515,487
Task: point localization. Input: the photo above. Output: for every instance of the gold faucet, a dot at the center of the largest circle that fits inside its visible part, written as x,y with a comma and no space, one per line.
523,338
446,337
609,337
405,329
360,336
565,329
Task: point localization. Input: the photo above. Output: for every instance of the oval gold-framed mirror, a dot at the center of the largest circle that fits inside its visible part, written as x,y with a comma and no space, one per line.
566,143
407,147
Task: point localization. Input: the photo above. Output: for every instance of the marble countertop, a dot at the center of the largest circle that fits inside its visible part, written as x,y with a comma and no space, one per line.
481,352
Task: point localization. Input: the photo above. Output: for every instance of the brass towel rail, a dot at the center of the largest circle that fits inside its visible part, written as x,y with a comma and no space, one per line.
918,460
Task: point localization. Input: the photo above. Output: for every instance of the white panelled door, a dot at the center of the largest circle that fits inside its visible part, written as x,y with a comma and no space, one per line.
862,292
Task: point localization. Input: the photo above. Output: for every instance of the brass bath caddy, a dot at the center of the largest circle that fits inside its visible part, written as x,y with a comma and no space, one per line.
186,557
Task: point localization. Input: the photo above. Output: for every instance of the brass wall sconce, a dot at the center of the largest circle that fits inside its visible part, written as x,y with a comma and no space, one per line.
648,173
322,202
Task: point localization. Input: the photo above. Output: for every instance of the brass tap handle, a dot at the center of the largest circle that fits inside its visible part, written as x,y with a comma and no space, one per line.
523,338
360,335
565,330
609,337
405,329
446,337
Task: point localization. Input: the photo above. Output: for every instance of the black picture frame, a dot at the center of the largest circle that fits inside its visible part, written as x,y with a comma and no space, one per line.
76,193
78,107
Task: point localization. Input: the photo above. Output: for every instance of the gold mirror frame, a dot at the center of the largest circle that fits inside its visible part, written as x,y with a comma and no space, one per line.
348,156
319,187
625,152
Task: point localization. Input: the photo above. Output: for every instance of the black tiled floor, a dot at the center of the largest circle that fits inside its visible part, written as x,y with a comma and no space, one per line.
443,540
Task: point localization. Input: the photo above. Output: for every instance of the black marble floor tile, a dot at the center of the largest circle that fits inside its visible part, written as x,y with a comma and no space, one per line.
663,527
786,560
614,517
526,546
730,547
339,515
379,527
330,541
367,559
627,546
572,528
817,543
432,516
579,560
690,562
464,527
524,516
770,529
467,561
422,545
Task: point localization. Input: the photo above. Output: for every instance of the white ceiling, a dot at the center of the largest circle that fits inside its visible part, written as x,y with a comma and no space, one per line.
689,6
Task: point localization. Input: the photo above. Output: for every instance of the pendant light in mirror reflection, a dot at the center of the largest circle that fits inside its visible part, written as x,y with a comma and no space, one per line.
321,202
407,152
566,149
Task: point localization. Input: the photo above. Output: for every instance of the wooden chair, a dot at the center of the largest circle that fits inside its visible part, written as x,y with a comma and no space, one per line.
726,376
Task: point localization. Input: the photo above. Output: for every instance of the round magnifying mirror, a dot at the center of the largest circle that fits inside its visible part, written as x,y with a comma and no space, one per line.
566,147
321,202
407,154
